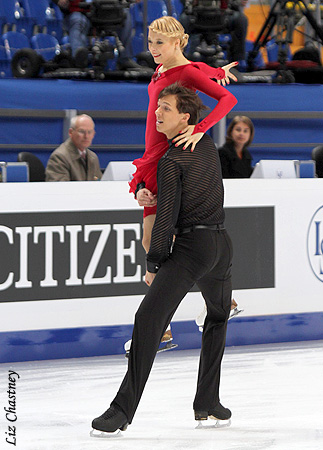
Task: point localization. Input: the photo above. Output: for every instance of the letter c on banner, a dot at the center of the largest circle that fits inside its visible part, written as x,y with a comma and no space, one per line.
8,232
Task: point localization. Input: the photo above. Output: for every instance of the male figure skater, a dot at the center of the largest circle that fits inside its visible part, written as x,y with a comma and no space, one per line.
190,205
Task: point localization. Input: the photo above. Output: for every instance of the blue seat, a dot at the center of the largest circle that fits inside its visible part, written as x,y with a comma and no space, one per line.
137,25
13,41
176,8
5,69
55,21
46,45
155,9
47,18
16,16
14,172
3,20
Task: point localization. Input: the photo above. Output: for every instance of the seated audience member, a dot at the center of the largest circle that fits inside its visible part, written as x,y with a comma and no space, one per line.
72,160
317,156
78,26
234,154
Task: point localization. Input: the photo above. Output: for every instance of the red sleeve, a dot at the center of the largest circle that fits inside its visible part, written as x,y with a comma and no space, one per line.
198,80
212,72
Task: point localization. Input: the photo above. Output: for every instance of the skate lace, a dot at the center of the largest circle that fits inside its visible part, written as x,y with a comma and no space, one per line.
109,413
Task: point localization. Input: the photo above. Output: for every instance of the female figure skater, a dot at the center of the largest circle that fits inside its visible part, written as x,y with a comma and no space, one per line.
166,42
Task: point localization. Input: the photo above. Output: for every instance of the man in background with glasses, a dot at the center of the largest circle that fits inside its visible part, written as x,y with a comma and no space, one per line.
73,160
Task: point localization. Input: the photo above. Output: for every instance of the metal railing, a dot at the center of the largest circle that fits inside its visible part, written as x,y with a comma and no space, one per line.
218,131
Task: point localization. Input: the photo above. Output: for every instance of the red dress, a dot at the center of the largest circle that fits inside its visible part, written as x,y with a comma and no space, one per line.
196,76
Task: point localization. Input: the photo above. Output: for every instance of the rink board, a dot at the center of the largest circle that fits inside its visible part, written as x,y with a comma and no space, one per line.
72,267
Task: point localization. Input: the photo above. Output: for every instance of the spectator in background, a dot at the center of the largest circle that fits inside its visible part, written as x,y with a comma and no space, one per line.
72,160
234,154
78,27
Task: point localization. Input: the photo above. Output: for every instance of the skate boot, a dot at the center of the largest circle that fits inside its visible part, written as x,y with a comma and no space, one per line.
201,318
234,309
219,413
167,340
127,346
113,419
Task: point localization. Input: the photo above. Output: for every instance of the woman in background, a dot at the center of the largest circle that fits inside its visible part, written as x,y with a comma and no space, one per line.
234,154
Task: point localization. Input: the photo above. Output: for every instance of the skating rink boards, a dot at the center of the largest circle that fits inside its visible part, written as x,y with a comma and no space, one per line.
274,391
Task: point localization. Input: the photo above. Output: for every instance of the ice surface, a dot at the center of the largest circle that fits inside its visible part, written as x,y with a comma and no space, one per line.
275,393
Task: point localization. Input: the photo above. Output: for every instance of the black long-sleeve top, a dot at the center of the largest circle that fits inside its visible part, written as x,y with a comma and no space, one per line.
190,192
232,165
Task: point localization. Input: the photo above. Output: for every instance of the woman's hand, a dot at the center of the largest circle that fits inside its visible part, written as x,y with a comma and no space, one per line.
228,74
146,198
186,137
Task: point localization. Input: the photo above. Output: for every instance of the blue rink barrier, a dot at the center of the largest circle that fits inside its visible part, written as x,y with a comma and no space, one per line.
118,138
99,341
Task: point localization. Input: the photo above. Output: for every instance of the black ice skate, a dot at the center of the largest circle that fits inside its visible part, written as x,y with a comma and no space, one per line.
112,420
219,413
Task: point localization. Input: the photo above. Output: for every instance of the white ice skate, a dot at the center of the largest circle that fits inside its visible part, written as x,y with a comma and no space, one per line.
235,310
201,317
165,344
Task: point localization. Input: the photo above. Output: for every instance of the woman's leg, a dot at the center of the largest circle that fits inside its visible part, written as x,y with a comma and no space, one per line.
148,227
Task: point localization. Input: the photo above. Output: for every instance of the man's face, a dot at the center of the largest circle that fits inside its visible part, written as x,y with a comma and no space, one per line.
83,133
168,120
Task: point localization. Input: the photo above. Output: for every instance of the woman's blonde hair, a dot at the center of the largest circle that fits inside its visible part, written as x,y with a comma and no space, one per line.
171,28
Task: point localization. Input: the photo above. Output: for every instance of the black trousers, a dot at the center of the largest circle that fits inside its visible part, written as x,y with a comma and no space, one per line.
203,257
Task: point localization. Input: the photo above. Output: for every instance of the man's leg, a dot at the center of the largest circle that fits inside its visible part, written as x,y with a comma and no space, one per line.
125,35
193,256
238,29
78,27
154,314
216,289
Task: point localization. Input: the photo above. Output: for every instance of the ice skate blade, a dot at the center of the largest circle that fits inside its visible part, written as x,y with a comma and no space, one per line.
105,435
234,312
168,346
206,425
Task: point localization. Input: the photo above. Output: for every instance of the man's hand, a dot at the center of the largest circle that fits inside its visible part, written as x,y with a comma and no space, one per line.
149,277
186,137
146,198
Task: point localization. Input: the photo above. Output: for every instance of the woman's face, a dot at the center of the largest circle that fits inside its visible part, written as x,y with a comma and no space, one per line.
240,133
161,47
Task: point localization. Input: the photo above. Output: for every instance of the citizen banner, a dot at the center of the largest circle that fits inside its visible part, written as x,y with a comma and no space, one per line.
84,254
